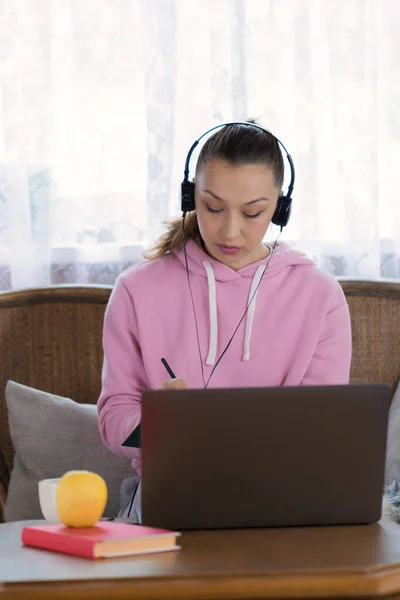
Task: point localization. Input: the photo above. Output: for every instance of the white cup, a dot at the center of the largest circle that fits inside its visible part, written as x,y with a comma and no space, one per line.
48,499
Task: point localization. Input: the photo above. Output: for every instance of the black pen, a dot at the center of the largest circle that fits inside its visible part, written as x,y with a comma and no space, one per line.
168,368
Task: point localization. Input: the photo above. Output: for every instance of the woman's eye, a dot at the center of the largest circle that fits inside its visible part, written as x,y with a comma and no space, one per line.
252,216
219,210
213,210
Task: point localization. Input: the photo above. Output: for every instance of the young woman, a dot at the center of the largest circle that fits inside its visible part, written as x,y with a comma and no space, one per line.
188,298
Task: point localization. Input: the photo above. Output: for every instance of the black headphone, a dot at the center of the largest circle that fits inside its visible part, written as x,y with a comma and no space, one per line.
283,208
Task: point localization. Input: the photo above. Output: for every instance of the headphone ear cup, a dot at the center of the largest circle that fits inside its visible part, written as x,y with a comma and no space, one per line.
282,212
187,196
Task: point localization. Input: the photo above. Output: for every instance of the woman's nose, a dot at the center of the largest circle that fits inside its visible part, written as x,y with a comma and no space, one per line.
231,228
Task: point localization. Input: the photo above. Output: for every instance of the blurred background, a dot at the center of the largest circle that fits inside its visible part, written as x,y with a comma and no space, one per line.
100,101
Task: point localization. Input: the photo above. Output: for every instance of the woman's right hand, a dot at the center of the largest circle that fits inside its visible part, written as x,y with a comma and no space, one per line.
173,384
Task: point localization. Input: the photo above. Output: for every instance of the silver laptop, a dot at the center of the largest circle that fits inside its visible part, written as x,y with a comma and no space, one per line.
288,456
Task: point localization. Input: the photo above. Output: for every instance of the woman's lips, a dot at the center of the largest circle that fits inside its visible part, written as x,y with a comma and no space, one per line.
228,249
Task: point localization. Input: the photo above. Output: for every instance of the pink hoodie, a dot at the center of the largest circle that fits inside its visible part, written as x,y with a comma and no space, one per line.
296,331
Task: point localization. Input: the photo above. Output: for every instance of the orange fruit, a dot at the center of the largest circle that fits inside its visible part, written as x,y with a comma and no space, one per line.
81,498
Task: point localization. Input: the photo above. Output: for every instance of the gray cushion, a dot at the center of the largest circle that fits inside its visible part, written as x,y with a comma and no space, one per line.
393,443
52,435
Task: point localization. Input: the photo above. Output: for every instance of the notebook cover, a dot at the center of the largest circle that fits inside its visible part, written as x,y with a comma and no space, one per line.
80,541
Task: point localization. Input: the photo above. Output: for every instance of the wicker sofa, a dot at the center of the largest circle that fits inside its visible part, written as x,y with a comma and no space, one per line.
50,339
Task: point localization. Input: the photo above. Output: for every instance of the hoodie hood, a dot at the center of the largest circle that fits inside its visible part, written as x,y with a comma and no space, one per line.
201,264
283,256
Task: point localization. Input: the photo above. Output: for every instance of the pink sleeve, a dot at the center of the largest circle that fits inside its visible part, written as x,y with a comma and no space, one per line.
330,364
123,374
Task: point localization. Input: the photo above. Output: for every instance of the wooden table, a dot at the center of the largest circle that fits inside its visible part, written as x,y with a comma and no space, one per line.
340,562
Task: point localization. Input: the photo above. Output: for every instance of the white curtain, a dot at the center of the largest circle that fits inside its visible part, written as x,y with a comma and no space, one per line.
101,99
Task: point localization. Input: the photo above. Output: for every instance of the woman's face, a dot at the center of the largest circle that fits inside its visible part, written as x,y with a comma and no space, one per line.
234,207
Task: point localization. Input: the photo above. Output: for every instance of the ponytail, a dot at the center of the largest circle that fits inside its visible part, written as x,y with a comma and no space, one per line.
172,240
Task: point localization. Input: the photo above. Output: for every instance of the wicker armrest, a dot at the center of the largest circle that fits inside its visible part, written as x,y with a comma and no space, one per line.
3,498
4,474
4,481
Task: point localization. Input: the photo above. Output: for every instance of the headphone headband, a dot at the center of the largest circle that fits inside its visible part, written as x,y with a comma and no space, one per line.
283,209
289,158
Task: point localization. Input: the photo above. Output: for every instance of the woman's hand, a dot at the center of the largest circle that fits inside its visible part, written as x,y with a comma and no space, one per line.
173,384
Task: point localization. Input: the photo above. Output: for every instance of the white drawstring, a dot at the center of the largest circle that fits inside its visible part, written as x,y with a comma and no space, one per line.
212,299
252,309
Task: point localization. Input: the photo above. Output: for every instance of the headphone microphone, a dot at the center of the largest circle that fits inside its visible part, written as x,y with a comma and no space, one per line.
280,218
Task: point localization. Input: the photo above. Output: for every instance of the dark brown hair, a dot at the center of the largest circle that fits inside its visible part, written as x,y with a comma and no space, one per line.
238,145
